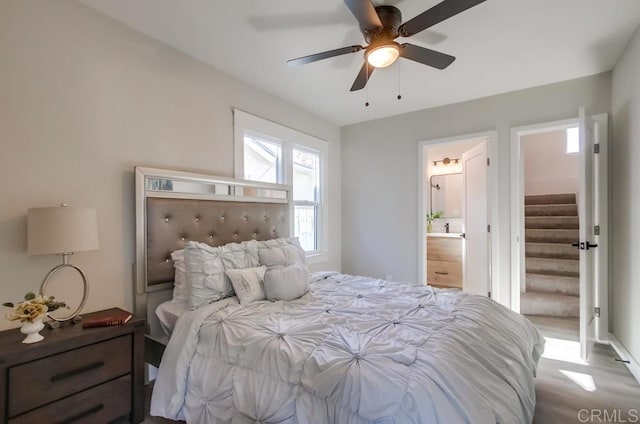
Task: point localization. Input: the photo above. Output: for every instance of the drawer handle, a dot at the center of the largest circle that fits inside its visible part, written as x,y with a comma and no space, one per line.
71,373
442,273
81,415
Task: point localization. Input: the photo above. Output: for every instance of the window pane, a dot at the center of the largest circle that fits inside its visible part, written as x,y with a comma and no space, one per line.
573,140
262,160
305,175
305,226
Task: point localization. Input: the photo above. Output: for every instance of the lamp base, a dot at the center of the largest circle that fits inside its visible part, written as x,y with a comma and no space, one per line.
74,316
59,323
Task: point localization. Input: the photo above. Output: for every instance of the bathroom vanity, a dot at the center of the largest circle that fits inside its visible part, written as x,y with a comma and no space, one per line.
444,260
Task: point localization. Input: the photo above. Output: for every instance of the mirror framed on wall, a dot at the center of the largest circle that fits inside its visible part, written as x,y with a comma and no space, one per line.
445,195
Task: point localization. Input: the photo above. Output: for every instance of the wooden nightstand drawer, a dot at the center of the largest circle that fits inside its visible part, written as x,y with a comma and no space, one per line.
102,404
444,273
444,249
75,374
48,379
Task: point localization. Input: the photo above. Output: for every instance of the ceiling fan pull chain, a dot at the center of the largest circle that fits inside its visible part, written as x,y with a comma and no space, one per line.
399,88
367,87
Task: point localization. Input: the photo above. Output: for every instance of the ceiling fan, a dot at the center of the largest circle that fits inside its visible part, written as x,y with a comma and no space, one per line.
381,25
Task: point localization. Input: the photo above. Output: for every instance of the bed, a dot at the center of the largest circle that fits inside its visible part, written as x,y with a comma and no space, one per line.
353,350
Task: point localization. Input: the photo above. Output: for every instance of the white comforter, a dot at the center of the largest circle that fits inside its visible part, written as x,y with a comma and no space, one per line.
354,350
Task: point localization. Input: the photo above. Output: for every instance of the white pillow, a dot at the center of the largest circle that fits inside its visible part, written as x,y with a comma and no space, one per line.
180,285
285,241
280,255
286,282
287,277
247,283
205,274
240,255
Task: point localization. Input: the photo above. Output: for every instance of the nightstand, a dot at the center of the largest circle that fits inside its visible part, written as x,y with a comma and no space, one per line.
77,375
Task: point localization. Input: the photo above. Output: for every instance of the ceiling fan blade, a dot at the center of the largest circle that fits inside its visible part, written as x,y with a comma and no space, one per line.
436,14
324,55
426,56
365,13
363,77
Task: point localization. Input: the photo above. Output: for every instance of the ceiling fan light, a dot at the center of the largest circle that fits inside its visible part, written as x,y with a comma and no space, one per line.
383,56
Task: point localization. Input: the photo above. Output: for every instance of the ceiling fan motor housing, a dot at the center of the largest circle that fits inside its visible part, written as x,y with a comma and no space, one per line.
391,19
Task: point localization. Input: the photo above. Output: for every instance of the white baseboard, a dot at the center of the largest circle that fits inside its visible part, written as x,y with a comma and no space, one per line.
622,352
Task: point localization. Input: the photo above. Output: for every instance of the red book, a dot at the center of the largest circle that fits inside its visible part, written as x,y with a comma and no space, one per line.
106,318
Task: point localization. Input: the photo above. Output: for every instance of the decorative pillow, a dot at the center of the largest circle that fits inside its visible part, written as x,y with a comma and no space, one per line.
247,283
180,285
285,241
286,282
287,277
280,255
205,274
240,255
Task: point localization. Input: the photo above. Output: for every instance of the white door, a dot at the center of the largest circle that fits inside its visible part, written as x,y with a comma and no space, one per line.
587,255
475,206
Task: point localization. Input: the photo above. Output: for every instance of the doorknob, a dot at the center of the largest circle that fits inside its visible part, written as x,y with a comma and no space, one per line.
584,245
463,235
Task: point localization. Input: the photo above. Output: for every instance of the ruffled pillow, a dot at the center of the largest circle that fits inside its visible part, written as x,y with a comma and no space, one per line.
205,274
180,284
285,241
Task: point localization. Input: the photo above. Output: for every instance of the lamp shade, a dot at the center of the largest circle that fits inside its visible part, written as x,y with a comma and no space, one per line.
62,229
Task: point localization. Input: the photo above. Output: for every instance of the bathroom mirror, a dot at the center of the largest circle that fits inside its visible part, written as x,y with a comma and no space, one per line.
446,195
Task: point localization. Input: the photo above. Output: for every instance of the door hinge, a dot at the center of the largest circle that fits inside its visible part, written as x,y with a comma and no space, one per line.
488,161
596,312
596,148
488,228
596,230
489,294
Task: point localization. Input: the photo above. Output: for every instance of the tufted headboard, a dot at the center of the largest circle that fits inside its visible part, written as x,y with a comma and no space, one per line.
174,207
171,223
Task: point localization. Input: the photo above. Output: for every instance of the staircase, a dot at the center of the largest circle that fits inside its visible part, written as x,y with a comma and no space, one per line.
552,264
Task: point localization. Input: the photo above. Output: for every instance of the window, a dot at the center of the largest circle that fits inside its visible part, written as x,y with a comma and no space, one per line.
573,140
306,166
269,152
262,160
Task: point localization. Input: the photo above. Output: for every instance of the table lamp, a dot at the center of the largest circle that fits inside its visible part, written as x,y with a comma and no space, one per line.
62,231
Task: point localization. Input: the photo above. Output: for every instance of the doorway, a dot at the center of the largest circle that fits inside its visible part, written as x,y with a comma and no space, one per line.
550,264
559,214
455,213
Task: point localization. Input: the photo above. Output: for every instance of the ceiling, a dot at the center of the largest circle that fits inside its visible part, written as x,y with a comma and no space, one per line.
500,46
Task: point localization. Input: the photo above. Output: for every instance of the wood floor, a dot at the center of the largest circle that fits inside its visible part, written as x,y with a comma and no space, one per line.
569,391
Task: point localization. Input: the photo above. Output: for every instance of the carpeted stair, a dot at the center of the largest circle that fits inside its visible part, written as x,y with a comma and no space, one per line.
552,264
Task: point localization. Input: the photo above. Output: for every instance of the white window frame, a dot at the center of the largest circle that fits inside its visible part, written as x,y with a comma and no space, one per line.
246,123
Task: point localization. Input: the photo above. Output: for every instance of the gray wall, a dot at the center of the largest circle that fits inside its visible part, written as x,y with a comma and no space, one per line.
380,175
84,100
626,197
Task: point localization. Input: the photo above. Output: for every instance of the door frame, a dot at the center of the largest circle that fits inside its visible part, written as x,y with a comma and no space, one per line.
602,214
491,138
